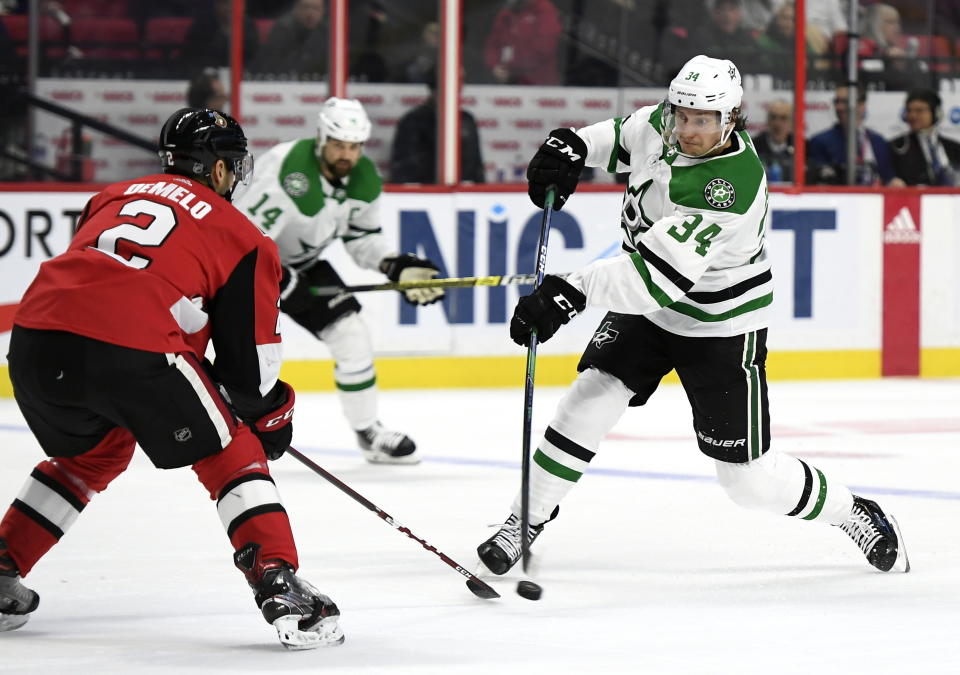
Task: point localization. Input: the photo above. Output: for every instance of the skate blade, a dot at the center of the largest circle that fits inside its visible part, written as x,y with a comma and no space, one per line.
12,621
377,457
327,633
902,563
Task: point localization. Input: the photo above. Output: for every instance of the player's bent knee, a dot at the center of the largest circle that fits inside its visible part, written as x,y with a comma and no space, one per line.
591,407
348,340
242,455
754,484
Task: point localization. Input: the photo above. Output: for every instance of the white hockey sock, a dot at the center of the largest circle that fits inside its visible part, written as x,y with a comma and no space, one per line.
588,410
783,484
349,343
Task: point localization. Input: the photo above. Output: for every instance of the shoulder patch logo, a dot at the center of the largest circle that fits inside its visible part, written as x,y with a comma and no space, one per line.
720,194
296,184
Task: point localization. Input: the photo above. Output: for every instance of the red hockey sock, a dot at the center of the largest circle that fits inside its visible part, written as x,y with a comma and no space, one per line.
247,499
55,493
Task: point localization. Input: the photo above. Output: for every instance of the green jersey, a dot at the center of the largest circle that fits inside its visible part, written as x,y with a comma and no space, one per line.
693,232
294,204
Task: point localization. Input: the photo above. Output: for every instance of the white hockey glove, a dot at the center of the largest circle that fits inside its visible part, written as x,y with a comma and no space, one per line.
408,267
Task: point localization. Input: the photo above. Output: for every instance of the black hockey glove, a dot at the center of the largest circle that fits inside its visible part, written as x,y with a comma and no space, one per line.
558,162
275,429
295,296
408,267
553,304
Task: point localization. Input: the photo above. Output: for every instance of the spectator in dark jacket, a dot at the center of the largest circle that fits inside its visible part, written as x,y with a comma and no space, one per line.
774,145
206,90
207,42
722,32
923,156
413,157
827,151
297,43
946,20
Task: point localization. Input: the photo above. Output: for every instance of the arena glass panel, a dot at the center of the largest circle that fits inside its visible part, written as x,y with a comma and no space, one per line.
394,48
904,49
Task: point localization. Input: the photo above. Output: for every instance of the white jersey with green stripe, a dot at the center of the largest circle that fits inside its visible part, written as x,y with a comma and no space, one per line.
693,232
294,204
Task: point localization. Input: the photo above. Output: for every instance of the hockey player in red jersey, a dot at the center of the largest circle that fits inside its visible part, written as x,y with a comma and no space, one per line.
107,351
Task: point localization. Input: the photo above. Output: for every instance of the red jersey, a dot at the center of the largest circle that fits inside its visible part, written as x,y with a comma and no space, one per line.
164,264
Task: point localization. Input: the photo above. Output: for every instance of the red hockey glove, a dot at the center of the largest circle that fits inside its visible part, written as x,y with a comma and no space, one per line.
275,429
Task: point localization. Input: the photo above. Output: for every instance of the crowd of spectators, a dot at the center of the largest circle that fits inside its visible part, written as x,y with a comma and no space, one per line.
922,156
903,43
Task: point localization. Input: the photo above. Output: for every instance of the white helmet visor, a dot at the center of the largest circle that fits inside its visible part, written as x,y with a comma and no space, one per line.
704,125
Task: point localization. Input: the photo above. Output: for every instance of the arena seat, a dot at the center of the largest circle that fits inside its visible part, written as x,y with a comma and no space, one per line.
164,36
76,9
106,38
51,34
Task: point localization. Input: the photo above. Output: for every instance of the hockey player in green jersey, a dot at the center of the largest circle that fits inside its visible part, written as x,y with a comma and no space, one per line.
305,194
691,294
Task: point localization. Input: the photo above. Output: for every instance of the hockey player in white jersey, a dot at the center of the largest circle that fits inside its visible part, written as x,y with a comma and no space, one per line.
690,293
307,193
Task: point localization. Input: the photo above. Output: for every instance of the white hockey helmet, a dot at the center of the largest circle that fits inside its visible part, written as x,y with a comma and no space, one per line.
343,119
704,83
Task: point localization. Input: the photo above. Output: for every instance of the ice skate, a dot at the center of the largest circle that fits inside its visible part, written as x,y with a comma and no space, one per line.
383,446
502,551
877,535
304,617
16,600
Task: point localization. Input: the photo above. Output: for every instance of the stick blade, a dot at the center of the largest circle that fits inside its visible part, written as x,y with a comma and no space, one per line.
481,589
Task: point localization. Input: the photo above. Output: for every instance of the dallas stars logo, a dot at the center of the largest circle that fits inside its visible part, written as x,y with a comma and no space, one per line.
732,72
296,184
720,194
604,335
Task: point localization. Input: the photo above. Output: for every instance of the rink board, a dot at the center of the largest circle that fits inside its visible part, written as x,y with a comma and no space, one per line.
829,253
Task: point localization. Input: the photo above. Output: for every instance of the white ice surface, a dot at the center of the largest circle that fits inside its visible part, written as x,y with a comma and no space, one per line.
648,569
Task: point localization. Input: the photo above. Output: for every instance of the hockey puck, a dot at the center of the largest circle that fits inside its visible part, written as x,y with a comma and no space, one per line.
529,590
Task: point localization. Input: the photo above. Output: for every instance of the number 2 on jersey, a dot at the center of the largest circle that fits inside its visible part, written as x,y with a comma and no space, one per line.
154,234
703,238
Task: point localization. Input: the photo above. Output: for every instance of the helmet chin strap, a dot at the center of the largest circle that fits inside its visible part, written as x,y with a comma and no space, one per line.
228,195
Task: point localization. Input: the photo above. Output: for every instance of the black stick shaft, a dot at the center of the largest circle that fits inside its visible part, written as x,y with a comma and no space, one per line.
528,387
476,585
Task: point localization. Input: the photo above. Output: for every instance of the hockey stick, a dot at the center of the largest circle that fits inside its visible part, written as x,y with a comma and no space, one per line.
453,282
477,586
528,385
